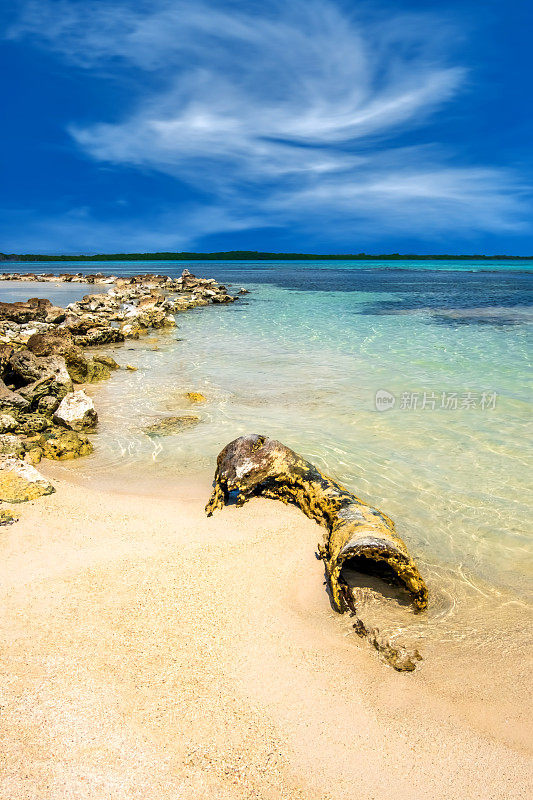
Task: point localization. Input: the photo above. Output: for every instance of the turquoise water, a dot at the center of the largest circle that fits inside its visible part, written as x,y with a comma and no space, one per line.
301,359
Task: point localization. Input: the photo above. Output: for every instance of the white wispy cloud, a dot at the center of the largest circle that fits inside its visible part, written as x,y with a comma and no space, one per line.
281,112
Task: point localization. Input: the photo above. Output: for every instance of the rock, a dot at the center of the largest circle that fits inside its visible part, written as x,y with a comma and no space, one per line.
62,445
11,445
131,368
150,301
53,380
33,309
403,659
33,456
15,334
80,368
107,361
55,315
134,326
85,370
48,404
34,423
96,336
6,351
7,516
7,423
157,318
73,323
24,367
77,364
46,344
195,397
97,303
197,301
11,401
76,411
242,290
97,371
20,482
171,425
223,298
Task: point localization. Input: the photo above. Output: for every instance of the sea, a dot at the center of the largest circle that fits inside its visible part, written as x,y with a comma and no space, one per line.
407,381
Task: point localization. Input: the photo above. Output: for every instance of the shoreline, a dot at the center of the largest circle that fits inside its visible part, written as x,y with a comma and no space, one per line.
149,651
43,358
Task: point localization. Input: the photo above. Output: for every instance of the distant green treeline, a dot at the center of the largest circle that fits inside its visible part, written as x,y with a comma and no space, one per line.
253,255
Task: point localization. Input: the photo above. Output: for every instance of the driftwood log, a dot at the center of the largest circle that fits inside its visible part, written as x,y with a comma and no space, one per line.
357,535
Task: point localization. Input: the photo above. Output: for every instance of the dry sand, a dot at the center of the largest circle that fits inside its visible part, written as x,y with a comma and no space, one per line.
149,652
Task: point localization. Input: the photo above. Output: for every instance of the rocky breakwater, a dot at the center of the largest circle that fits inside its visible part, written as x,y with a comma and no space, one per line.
45,350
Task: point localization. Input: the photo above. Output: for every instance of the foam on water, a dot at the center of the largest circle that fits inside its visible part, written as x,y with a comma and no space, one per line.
301,358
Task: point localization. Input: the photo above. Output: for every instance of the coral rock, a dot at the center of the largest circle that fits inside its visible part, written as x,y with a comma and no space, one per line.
171,425
7,423
20,482
11,445
76,411
63,445
195,397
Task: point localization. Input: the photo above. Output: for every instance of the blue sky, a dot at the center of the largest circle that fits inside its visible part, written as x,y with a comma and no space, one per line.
303,125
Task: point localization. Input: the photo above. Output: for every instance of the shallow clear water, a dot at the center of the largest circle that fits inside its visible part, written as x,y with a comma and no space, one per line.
301,358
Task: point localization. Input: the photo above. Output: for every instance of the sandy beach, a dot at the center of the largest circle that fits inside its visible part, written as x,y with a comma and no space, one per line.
150,652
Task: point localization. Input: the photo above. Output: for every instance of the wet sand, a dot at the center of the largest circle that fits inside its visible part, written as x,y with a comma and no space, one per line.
150,652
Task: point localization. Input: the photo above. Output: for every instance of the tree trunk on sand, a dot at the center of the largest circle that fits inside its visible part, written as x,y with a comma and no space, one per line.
357,535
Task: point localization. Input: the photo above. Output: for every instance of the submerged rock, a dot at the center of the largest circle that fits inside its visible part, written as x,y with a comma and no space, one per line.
195,397
96,371
402,659
76,411
62,445
170,425
20,482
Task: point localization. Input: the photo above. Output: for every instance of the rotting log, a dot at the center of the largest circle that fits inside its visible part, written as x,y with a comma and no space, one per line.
357,535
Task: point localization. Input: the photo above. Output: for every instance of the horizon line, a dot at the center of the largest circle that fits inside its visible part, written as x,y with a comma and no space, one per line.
250,255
